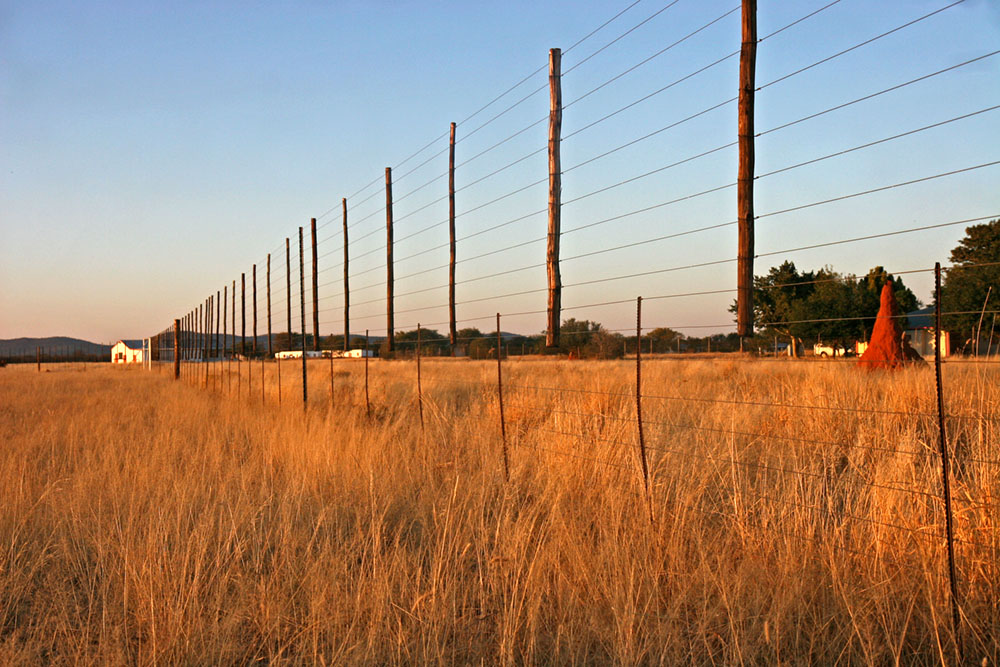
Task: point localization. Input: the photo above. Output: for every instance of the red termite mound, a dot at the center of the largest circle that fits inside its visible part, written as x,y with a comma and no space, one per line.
887,349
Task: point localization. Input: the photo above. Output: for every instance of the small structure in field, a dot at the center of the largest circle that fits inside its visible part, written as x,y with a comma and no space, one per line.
297,354
920,329
887,347
359,354
127,352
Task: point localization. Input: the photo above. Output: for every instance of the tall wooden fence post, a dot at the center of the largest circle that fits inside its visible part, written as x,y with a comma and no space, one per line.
218,322
347,289
270,346
288,291
254,346
279,379
38,359
555,198
315,286
452,331
744,179
302,318
218,348
389,325
210,321
243,314
638,403
232,348
177,349
204,344
945,468
503,425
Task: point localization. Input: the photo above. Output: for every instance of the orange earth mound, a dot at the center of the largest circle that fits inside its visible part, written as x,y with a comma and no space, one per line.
887,349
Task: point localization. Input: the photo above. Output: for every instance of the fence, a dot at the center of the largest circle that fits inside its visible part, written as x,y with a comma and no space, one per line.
471,200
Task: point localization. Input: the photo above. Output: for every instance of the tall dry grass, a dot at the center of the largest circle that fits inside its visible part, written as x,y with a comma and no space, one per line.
151,521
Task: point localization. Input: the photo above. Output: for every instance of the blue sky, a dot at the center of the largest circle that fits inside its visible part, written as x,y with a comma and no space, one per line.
153,151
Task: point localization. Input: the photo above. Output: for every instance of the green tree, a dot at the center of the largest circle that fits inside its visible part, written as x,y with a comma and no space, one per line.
664,339
823,304
431,342
575,334
604,344
968,282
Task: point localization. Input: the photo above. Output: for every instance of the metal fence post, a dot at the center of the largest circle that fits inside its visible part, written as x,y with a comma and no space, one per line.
503,425
945,473
638,402
368,403
420,393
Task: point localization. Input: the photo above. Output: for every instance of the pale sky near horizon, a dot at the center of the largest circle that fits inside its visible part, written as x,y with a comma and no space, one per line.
151,152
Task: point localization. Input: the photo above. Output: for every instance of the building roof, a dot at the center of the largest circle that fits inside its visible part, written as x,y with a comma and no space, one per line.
133,344
920,319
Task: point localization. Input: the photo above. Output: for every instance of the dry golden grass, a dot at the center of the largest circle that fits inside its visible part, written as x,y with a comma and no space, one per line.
151,521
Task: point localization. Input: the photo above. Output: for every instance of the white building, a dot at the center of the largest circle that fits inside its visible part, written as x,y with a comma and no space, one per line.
297,354
325,354
128,352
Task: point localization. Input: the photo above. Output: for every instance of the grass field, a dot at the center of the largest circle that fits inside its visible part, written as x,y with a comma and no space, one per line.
796,511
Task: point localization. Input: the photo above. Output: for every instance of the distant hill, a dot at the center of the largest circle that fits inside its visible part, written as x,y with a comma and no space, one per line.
53,346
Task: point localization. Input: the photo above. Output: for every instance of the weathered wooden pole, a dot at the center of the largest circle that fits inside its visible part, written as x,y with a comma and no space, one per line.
206,325
315,285
225,335
38,359
270,347
229,377
254,280
210,313
744,179
206,328
288,292
203,329
177,346
218,322
452,331
555,199
389,324
243,314
199,332
302,318
347,287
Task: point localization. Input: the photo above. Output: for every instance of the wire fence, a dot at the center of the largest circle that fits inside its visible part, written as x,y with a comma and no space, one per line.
647,205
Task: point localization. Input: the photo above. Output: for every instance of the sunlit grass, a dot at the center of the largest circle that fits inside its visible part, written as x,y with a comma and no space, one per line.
152,521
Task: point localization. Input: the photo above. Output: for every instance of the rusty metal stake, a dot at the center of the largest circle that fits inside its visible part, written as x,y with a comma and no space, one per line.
638,402
420,393
503,425
945,475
